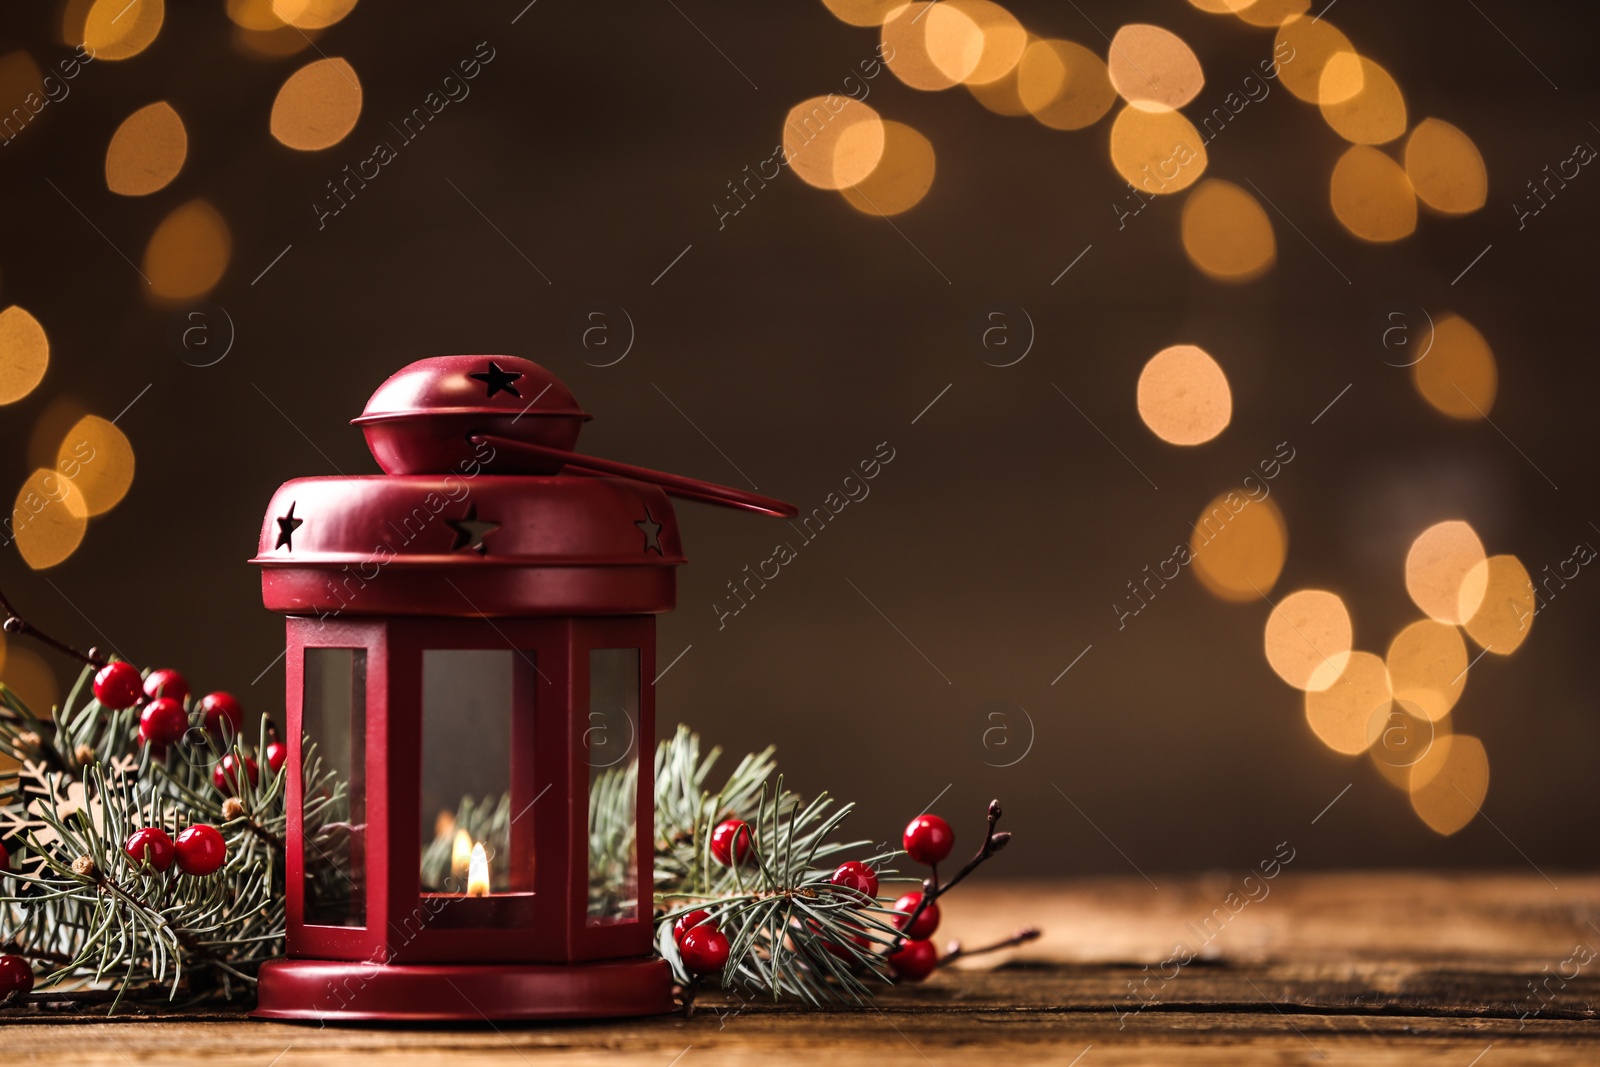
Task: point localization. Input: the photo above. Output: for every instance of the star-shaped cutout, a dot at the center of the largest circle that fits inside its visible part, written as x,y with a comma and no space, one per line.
652,532
498,380
287,525
470,531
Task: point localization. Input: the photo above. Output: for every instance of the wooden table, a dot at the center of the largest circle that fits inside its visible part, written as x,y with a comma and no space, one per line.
1368,968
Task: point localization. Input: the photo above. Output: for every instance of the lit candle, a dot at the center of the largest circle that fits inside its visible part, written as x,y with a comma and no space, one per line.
478,872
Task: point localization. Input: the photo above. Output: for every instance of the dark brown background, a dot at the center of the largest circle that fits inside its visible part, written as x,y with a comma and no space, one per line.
802,334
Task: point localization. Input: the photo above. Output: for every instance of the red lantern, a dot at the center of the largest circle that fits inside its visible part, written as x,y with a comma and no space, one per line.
471,648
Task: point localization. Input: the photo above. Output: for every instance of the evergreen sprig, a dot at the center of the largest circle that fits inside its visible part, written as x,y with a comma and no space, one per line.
74,898
80,782
791,931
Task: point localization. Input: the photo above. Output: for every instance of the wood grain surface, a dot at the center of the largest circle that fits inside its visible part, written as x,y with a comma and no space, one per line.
1470,971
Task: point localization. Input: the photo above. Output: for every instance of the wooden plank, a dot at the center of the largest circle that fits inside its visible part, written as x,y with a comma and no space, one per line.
1384,968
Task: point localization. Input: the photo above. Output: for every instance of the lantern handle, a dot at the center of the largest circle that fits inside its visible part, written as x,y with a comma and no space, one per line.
675,484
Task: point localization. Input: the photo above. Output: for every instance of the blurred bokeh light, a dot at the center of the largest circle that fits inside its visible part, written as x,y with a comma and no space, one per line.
317,106
1226,233
188,253
1183,395
146,151
1307,629
1239,545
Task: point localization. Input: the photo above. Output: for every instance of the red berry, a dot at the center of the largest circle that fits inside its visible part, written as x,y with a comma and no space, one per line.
928,839
166,682
225,773
731,836
687,923
704,950
151,843
5,859
277,752
914,961
926,923
853,874
118,685
201,850
219,708
16,977
163,722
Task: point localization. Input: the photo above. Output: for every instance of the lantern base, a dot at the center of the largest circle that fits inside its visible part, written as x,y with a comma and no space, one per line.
324,991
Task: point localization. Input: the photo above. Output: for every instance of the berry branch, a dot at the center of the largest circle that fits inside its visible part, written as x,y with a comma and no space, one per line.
749,887
930,837
954,951
16,624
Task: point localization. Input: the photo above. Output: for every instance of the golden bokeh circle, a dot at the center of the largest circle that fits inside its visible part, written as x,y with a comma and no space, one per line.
48,519
901,179
317,106
1004,39
832,142
1372,196
1151,65
188,252
1505,615
1427,664
1003,96
1063,84
1348,694
1446,169
98,458
312,14
1307,629
1226,233
146,151
1183,395
1238,546
1442,573
121,29
1360,100
1449,784
1157,151
24,354
1457,376
1403,738
1312,42
932,46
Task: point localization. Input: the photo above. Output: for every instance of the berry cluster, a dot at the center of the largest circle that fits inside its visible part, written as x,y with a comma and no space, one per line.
928,839
702,945
166,715
199,850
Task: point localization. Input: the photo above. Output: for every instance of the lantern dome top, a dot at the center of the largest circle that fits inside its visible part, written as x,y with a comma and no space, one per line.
483,508
419,420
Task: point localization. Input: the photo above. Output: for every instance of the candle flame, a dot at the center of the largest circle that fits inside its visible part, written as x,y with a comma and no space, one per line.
478,872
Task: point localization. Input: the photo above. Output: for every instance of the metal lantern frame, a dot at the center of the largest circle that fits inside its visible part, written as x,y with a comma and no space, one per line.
485,533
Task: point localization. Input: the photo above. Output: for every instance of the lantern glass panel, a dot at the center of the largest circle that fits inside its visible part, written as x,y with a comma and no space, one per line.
470,701
333,806
611,747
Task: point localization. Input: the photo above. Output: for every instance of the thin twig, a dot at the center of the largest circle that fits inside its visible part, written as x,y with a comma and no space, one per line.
956,952
16,624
